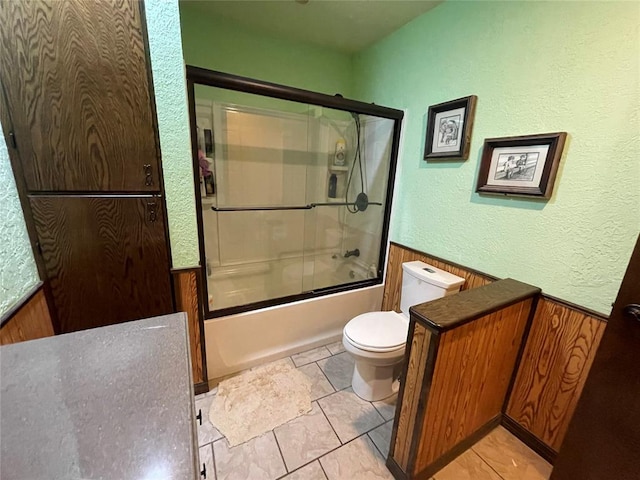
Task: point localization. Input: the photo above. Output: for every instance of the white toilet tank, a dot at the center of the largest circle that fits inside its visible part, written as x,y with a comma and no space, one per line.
422,282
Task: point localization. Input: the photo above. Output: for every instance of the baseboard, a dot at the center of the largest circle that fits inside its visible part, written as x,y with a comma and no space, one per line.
529,439
395,469
201,388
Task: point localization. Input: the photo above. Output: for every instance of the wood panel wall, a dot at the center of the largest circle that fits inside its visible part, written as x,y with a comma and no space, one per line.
187,290
558,353
557,357
398,254
30,321
470,381
410,392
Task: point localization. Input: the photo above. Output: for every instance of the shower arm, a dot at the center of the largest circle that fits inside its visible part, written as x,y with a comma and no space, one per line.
290,207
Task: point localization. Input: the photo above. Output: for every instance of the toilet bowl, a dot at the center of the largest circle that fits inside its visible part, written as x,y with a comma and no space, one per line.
376,340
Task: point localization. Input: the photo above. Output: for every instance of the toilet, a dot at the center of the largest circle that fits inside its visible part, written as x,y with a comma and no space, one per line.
377,340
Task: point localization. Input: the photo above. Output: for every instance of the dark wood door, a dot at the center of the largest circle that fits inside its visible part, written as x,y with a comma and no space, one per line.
106,258
77,88
603,440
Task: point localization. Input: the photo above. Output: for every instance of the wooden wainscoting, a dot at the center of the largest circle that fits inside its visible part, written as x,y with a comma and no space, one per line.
28,321
461,358
398,254
557,357
553,366
187,290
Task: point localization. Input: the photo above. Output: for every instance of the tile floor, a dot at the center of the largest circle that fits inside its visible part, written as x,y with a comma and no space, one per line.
347,438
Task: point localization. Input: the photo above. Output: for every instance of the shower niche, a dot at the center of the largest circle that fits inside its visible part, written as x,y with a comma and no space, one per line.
293,190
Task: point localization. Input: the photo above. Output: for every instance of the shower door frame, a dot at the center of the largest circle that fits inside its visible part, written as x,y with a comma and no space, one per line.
212,78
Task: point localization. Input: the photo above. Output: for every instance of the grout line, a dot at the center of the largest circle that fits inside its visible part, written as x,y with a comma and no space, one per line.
487,463
329,421
286,469
323,470
374,444
325,376
213,459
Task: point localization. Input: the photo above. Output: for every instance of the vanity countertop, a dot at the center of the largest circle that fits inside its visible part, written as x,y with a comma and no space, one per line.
108,403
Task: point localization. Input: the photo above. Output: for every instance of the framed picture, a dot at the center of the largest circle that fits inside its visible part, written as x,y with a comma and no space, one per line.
449,128
521,165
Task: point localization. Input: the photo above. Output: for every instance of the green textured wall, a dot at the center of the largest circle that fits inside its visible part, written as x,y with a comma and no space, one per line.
536,67
18,273
220,44
167,65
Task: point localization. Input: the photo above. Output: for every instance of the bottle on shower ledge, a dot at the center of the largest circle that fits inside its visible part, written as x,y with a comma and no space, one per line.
333,186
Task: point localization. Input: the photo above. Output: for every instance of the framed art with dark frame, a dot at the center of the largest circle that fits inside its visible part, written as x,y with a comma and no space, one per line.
449,128
524,166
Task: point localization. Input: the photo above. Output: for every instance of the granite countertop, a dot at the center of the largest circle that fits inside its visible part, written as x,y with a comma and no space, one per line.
109,403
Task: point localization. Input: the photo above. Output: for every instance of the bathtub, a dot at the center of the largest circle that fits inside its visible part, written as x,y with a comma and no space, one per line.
240,341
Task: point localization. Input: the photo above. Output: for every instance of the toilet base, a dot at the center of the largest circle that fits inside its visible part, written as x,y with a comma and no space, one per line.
373,383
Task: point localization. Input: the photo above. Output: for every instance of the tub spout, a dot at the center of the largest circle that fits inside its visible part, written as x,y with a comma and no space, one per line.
352,253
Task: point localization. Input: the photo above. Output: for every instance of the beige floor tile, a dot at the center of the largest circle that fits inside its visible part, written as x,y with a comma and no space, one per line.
387,407
257,459
338,369
336,347
206,461
511,458
305,438
468,466
349,415
357,460
300,359
381,436
320,386
207,433
313,471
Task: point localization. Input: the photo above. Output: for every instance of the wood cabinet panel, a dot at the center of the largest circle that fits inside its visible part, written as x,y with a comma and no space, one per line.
106,258
556,360
399,254
77,88
186,285
31,321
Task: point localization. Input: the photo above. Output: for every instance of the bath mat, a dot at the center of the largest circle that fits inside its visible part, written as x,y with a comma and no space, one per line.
259,400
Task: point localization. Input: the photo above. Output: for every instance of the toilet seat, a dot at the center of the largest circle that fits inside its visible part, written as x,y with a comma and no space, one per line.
377,331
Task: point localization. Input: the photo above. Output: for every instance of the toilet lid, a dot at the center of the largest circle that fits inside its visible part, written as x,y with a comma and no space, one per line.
378,330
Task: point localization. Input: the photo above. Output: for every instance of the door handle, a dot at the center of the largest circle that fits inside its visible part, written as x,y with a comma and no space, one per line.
632,310
148,174
152,211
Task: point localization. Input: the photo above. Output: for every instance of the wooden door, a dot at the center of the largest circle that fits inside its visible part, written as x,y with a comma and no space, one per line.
77,87
106,258
603,440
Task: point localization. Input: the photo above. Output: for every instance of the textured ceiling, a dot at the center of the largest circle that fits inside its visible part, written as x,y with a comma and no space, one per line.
344,25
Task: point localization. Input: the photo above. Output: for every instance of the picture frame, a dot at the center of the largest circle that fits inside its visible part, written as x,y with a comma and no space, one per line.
523,165
449,127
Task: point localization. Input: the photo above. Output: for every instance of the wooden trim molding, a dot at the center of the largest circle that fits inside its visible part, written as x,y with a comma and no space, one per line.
30,320
9,314
187,286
